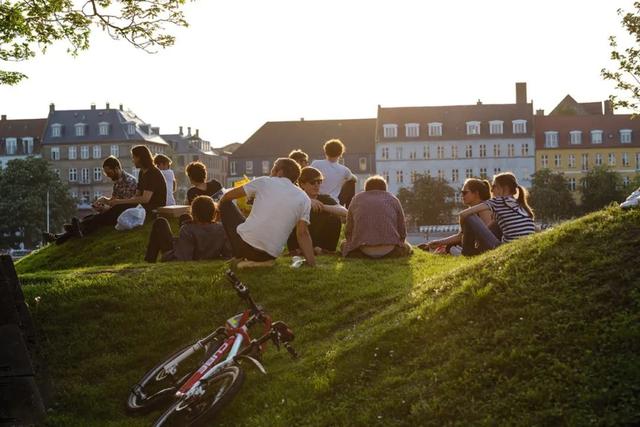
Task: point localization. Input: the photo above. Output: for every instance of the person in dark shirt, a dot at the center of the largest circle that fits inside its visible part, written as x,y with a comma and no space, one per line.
152,187
325,216
197,173
198,240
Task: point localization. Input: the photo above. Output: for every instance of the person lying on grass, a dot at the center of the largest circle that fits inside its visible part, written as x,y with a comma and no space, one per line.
513,215
279,206
203,238
474,191
325,216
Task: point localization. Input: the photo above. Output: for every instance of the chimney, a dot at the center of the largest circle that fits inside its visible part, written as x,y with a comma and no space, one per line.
189,131
121,109
93,106
3,117
608,108
539,112
479,102
107,106
52,107
180,133
302,119
197,133
521,93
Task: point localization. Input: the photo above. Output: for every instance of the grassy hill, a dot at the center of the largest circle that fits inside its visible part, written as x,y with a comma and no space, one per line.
543,331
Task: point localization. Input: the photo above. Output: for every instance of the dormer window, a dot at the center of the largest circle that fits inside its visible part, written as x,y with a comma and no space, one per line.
596,137
473,128
575,137
412,130
496,127
551,139
625,136
56,130
131,128
435,129
79,129
519,126
390,130
103,128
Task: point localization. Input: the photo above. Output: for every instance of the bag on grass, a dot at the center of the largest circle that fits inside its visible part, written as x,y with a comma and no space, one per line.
131,218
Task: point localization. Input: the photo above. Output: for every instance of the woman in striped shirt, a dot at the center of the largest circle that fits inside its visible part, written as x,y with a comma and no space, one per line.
513,215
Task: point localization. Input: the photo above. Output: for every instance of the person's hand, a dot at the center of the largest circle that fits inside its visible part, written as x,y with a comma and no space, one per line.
101,200
317,205
110,202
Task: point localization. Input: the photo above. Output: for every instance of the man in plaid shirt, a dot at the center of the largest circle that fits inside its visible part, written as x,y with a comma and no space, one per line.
124,184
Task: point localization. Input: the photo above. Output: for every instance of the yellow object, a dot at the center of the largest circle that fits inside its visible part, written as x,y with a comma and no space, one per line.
243,203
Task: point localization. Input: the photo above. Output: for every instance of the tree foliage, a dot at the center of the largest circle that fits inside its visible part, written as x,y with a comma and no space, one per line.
429,201
28,26
23,195
550,196
600,187
627,74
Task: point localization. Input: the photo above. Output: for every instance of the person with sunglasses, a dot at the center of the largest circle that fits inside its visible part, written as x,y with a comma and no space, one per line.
326,215
474,191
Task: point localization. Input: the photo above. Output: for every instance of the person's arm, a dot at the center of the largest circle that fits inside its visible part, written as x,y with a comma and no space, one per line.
402,226
233,194
185,246
138,199
451,240
480,207
305,243
175,185
337,210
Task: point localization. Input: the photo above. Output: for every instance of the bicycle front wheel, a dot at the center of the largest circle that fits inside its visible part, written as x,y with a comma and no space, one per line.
218,391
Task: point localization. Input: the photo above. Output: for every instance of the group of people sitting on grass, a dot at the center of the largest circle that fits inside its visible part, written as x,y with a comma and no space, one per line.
298,206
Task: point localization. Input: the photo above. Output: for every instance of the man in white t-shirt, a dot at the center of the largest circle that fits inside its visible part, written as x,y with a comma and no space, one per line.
279,206
335,174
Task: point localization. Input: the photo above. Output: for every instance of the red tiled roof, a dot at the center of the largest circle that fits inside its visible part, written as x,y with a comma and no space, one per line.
609,124
22,128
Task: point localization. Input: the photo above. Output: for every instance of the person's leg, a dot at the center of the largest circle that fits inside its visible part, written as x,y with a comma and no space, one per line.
347,192
107,218
161,239
469,241
325,232
485,238
231,218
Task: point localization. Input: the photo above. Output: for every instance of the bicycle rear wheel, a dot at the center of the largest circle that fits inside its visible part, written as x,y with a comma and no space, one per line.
157,387
218,390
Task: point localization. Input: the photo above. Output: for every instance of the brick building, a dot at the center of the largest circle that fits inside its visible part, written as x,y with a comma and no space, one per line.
20,139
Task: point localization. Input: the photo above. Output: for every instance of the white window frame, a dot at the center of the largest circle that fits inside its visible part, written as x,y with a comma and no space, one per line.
611,159
435,129
27,143
468,151
473,128
115,150
265,167
598,161
80,129
72,152
248,167
131,128
399,152
399,177
11,146
440,152
483,150
73,175
412,130
103,128
85,176
483,173
626,136
584,161
55,153
468,173
575,137
97,174
362,164
551,139
625,159
496,127
426,152
557,160
519,126
571,182
97,152
572,161
511,150
384,153
524,149
544,161
84,152
497,149
455,175
390,130
232,167
596,136
56,130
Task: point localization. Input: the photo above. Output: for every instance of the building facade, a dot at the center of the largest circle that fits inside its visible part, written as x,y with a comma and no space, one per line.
277,139
456,142
20,139
576,137
76,142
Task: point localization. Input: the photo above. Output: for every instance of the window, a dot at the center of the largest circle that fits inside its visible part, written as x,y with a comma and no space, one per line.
57,172
131,128
496,171
626,181
232,167
426,153
496,150
55,153
544,161
596,137
73,153
511,150
97,174
12,145
412,130
97,151
571,184
73,175
115,150
362,163
473,128
483,173
390,130
399,153
385,175
454,151
454,175
572,161
84,176
79,129
598,159
468,152
524,150
625,136
483,150
440,174
84,152
56,130
495,127
440,152
557,160
575,137
85,199
248,167
612,159
414,176
468,173
519,126
435,129
385,153
399,177
27,145
551,139
97,194
428,173
412,155
103,128
584,164
625,159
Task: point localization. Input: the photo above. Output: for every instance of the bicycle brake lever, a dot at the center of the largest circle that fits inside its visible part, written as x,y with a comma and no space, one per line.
291,350
276,340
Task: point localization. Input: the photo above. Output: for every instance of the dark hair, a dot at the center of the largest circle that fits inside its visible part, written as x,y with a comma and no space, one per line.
375,182
142,152
333,148
111,163
203,209
308,174
480,186
161,159
290,168
299,156
508,180
197,172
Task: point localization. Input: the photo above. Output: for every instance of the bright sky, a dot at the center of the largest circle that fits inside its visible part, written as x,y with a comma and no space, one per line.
242,63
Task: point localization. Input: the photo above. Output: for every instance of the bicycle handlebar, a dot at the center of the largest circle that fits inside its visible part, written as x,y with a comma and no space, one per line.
243,293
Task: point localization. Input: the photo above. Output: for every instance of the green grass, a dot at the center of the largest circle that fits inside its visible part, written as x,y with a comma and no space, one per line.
543,331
